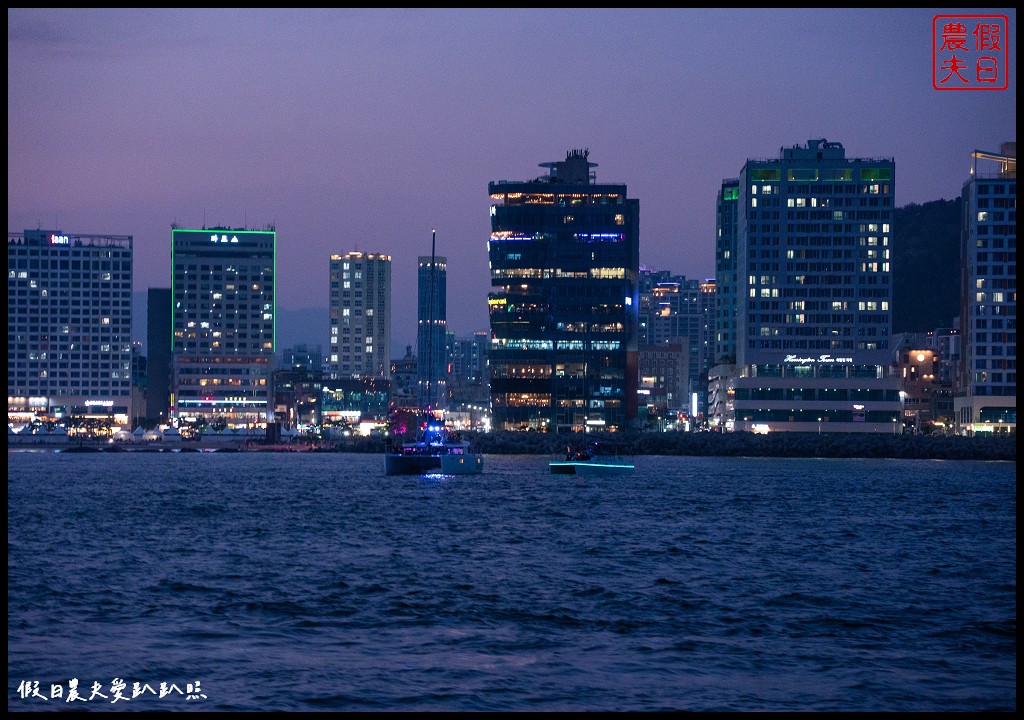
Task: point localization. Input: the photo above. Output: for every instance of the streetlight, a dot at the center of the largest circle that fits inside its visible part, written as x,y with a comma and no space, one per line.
894,426
819,426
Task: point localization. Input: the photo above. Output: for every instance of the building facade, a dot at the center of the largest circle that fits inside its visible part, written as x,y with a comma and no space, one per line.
159,351
674,309
564,257
359,316
69,322
432,330
813,289
223,296
986,400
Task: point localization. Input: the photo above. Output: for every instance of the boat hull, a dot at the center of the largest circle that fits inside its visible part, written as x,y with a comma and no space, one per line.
399,464
590,468
463,464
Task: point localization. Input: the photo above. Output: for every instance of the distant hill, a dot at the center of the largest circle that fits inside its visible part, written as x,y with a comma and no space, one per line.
926,266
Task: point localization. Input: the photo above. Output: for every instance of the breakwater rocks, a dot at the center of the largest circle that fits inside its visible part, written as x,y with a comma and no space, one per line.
788,444
739,444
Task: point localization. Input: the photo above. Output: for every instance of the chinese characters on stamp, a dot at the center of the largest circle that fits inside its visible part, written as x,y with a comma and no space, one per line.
970,52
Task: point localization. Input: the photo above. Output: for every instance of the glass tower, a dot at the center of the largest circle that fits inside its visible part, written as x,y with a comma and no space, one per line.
564,257
432,330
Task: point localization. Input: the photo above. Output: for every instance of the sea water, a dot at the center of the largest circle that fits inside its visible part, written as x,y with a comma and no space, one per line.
307,581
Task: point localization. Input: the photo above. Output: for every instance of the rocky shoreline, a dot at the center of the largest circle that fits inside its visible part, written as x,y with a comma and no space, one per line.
737,444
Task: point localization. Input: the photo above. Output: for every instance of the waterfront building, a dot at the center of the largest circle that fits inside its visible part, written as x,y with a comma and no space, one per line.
813,288
69,321
986,400
664,386
468,388
359,312
674,309
432,330
298,397
223,296
356,402
564,258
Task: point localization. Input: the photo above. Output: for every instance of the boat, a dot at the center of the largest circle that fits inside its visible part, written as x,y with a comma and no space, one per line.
434,449
589,460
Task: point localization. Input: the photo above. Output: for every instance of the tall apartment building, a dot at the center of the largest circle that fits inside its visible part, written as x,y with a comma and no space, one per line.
359,344
432,330
564,257
69,322
223,295
813,290
986,399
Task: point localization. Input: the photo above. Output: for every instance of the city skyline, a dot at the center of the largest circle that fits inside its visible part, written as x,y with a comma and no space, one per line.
364,130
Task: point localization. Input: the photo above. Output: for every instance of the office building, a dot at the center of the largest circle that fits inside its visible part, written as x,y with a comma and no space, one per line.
69,321
223,296
813,292
359,343
564,257
986,399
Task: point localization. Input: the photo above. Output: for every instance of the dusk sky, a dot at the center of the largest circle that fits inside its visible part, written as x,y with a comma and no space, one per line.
365,129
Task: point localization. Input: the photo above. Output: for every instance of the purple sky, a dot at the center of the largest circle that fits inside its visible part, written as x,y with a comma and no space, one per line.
366,129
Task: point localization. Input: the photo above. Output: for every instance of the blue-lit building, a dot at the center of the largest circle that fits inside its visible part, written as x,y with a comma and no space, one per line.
432,331
564,258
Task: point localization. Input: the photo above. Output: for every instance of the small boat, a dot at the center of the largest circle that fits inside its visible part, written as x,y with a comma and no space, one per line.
588,460
434,450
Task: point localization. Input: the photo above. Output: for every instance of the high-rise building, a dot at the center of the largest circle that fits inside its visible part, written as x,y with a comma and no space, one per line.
69,322
986,400
813,290
564,257
159,350
432,330
223,295
360,316
725,272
